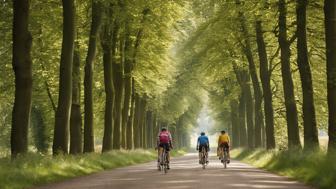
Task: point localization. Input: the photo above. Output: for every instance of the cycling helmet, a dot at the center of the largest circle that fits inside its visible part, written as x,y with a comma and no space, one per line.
163,129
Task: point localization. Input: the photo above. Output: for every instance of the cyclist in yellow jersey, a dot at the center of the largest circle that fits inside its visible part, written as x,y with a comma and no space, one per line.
224,142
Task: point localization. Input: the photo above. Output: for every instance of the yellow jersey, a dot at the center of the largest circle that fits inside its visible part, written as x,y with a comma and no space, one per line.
223,139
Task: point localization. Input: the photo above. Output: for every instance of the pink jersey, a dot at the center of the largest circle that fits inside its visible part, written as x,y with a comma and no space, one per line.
164,137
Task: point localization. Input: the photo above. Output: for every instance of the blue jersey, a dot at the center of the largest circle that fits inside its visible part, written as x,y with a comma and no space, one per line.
203,140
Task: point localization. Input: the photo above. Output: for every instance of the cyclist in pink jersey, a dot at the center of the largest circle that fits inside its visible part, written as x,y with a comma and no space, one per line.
164,141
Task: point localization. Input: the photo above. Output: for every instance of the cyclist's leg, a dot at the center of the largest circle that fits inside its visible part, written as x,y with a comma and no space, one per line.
228,151
206,153
166,146
200,153
160,151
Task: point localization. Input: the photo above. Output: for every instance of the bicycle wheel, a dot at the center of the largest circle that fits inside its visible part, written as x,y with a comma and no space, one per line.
165,162
203,157
225,159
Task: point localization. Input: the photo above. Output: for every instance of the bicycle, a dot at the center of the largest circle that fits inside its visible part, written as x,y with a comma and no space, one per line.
203,157
163,166
224,156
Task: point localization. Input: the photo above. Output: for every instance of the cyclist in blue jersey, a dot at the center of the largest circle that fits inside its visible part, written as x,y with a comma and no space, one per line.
203,141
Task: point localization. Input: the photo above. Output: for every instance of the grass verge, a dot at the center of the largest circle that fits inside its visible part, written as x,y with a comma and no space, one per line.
315,168
35,169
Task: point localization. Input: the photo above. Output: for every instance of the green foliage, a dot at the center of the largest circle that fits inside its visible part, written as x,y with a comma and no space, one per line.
314,168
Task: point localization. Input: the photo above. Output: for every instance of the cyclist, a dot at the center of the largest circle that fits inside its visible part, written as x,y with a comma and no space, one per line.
164,141
224,142
203,141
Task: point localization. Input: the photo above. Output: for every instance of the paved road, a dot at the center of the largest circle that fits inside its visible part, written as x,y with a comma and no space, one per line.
185,174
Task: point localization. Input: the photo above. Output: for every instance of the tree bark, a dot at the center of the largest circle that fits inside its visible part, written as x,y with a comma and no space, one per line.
249,114
108,45
88,77
142,123
22,67
308,107
119,91
127,83
149,129
330,32
288,86
62,117
76,116
265,78
130,120
235,123
258,118
137,118
242,121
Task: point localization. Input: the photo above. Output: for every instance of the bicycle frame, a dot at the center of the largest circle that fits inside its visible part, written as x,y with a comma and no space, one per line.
203,157
163,160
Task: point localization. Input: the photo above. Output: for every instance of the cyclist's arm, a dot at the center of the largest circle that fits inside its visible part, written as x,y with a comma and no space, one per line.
170,140
229,141
158,140
197,144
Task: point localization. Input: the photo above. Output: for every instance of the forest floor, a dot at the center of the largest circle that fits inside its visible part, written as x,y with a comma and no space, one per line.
185,173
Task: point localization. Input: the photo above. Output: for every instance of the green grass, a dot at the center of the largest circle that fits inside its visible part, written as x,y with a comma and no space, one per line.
34,169
315,168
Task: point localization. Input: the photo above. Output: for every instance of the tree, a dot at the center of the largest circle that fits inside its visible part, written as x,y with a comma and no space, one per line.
288,87
308,107
109,42
76,146
62,117
22,67
330,32
88,77
266,85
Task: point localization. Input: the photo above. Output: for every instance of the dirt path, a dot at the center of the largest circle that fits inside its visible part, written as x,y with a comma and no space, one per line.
185,173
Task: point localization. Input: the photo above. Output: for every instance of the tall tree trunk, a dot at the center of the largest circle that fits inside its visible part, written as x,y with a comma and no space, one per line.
127,85
137,116
108,45
308,108
130,120
288,86
149,130
258,118
118,83
22,67
76,116
62,117
119,91
88,77
242,121
249,115
265,78
155,130
235,123
330,28
142,123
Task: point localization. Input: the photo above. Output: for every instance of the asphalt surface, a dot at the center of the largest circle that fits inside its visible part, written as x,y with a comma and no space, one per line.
185,173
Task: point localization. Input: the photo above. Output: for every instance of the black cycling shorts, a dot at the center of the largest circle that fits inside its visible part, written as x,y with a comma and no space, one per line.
165,146
225,145
205,146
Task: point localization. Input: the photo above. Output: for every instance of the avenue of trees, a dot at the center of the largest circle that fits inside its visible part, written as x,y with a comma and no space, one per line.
269,69
84,74
88,75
